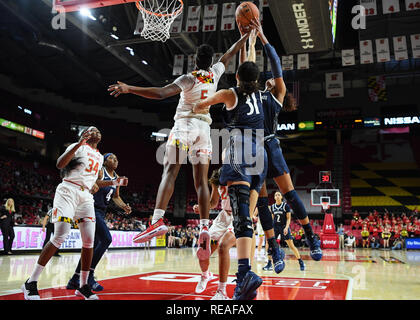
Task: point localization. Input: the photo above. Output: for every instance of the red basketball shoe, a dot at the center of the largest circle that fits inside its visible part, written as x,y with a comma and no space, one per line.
155,230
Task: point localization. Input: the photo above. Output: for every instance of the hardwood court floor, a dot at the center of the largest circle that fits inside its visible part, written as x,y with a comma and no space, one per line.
172,274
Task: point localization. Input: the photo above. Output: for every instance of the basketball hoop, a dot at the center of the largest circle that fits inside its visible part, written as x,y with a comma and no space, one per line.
325,205
158,16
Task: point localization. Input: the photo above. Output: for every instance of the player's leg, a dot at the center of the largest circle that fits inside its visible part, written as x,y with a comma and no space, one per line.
247,281
226,242
29,288
284,182
174,157
200,175
200,154
289,241
102,241
64,205
266,219
206,275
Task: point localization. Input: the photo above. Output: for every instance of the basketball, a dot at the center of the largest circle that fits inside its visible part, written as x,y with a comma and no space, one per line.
245,12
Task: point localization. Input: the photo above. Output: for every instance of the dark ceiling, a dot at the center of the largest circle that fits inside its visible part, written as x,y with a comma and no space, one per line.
80,61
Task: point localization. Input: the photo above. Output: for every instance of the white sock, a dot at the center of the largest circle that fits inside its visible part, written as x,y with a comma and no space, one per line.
36,273
222,287
204,223
157,215
83,277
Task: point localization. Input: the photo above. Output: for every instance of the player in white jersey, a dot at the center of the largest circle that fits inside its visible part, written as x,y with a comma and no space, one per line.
73,201
190,136
222,238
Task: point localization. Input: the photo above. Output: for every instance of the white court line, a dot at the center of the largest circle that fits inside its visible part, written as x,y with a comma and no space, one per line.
132,293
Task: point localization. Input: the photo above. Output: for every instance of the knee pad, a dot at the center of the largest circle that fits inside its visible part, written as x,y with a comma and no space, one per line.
61,231
239,201
296,204
87,233
266,218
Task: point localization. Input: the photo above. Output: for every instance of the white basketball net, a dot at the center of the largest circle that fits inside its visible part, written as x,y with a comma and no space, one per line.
158,16
325,205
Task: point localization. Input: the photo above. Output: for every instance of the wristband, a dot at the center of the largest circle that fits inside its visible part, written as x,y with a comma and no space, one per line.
274,60
118,182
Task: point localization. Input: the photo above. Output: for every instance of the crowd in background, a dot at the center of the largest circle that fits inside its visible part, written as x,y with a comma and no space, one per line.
380,230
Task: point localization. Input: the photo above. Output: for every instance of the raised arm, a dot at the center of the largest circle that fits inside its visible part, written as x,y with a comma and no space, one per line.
251,49
66,157
234,49
279,86
155,93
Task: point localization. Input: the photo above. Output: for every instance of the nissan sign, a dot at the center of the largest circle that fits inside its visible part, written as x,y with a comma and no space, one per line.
401,120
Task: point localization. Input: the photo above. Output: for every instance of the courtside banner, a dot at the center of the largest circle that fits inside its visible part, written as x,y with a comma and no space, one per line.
32,238
303,25
412,243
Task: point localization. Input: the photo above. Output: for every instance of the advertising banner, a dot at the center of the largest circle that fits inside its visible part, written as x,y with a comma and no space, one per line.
32,238
303,25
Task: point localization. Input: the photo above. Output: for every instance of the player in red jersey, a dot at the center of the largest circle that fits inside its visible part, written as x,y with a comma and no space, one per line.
189,137
73,201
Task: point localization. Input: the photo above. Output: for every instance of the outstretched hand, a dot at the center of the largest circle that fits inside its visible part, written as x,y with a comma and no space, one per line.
256,24
118,88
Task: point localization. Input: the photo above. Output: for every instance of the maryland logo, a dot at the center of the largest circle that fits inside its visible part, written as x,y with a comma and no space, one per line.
206,77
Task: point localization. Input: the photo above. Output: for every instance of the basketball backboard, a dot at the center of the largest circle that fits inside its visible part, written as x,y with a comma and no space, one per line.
76,5
332,196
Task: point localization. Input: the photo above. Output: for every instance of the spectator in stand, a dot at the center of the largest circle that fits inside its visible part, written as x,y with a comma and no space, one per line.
371,218
355,222
375,231
365,237
417,230
190,237
351,241
386,235
298,237
375,242
7,222
398,244
171,238
340,232
404,234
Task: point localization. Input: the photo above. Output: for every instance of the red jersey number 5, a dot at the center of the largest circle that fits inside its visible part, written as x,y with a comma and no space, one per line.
204,94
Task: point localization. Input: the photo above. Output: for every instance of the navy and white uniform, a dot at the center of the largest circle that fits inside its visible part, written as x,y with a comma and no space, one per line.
276,164
104,195
280,219
243,160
